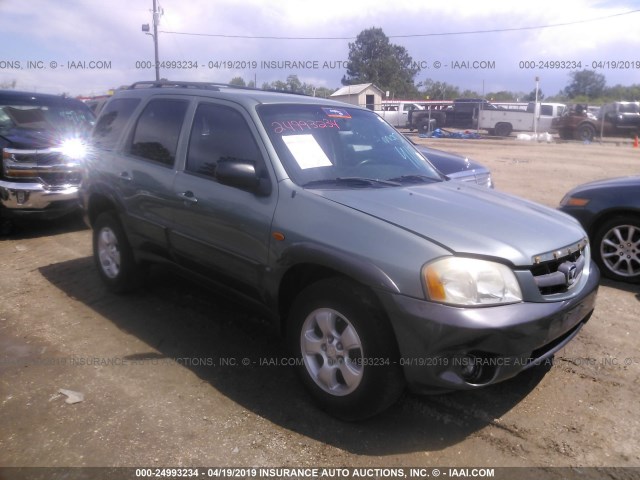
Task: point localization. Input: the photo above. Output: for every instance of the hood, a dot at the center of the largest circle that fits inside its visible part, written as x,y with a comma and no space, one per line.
468,219
448,163
613,183
27,138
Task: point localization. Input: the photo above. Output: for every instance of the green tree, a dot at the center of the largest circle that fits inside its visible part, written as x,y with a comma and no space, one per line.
470,94
294,84
373,59
431,90
532,96
502,96
239,81
622,93
587,83
8,85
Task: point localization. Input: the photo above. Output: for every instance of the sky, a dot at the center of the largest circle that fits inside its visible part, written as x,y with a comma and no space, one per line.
87,47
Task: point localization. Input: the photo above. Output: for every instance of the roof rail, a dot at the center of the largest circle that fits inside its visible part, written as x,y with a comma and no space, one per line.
200,85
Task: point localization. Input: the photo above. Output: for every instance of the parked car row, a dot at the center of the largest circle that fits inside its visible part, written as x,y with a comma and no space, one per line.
43,137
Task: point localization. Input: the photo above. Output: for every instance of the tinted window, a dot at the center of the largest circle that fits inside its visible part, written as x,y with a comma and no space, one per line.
629,108
546,110
219,133
112,121
158,129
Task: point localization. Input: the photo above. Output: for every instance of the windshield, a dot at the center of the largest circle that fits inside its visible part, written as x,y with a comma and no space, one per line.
67,118
340,147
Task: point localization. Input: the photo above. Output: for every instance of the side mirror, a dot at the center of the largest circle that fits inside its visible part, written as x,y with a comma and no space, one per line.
242,174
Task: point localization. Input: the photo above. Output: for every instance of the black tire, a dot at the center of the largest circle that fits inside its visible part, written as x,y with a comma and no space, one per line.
585,132
503,129
423,126
348,312
616,248
113,255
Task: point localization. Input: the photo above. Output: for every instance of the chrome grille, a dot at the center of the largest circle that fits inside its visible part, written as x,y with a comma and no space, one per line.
560,270
482,179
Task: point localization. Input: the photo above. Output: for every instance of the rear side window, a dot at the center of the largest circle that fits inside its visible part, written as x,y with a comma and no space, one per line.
220,133
112,121
158,130
546,110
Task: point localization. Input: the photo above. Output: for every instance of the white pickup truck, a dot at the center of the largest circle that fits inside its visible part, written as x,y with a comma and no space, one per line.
397,113
503,122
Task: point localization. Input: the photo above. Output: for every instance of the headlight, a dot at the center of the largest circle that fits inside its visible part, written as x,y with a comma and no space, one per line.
470,282
73,148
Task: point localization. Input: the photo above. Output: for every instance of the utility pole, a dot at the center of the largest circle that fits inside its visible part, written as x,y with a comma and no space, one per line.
536,110
145,28
156,19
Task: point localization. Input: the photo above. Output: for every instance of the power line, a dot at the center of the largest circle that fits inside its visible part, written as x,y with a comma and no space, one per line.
470,32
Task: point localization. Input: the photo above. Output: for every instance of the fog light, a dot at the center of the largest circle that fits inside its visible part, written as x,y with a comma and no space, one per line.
21,197
471,370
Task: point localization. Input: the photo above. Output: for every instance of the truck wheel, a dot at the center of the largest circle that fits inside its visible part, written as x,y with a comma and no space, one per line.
616,248
503,129
423,126
585,132
113,255
346,350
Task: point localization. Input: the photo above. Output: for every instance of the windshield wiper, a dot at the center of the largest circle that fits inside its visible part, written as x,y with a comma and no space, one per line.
416,178
351,181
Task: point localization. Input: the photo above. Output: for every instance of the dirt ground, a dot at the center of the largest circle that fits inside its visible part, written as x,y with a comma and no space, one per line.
174,375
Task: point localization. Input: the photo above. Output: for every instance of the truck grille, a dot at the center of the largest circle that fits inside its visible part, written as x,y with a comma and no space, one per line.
48,166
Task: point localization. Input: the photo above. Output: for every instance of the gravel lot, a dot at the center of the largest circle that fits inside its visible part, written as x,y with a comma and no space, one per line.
164,382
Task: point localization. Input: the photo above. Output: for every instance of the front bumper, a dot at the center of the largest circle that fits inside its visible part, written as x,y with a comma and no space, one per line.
451,348
36,199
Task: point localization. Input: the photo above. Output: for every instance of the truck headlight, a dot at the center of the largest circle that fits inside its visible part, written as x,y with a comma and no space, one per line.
74,148
470,282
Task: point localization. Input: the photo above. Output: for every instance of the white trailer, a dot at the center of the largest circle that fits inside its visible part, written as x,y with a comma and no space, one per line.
537,117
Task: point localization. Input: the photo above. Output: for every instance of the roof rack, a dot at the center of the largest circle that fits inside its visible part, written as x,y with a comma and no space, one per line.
215,86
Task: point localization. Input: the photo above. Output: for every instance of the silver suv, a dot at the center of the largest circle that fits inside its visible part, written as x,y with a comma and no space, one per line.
379,271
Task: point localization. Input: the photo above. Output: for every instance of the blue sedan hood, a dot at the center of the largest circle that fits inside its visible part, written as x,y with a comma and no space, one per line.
467,219
631,181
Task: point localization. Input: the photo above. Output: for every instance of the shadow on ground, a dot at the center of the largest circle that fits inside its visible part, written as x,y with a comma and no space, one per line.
625,287
23,228
180,319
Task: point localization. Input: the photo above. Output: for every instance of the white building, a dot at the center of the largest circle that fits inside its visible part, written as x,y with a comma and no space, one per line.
363,95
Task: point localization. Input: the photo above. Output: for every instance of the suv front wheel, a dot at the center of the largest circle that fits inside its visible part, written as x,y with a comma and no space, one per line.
113,255
346,351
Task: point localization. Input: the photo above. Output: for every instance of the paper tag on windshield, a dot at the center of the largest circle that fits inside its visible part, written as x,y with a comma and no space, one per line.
306,151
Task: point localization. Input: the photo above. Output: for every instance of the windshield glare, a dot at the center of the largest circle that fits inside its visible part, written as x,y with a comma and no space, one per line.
44,117
317,143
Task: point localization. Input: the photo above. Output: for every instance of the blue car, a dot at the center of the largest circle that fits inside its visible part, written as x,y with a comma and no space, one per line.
457,167
609,210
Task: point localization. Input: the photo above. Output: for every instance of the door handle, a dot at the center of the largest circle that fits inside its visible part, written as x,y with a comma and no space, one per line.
188,196
125,176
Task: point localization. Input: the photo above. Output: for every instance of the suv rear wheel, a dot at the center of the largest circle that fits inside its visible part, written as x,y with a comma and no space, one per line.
346,350
113,255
